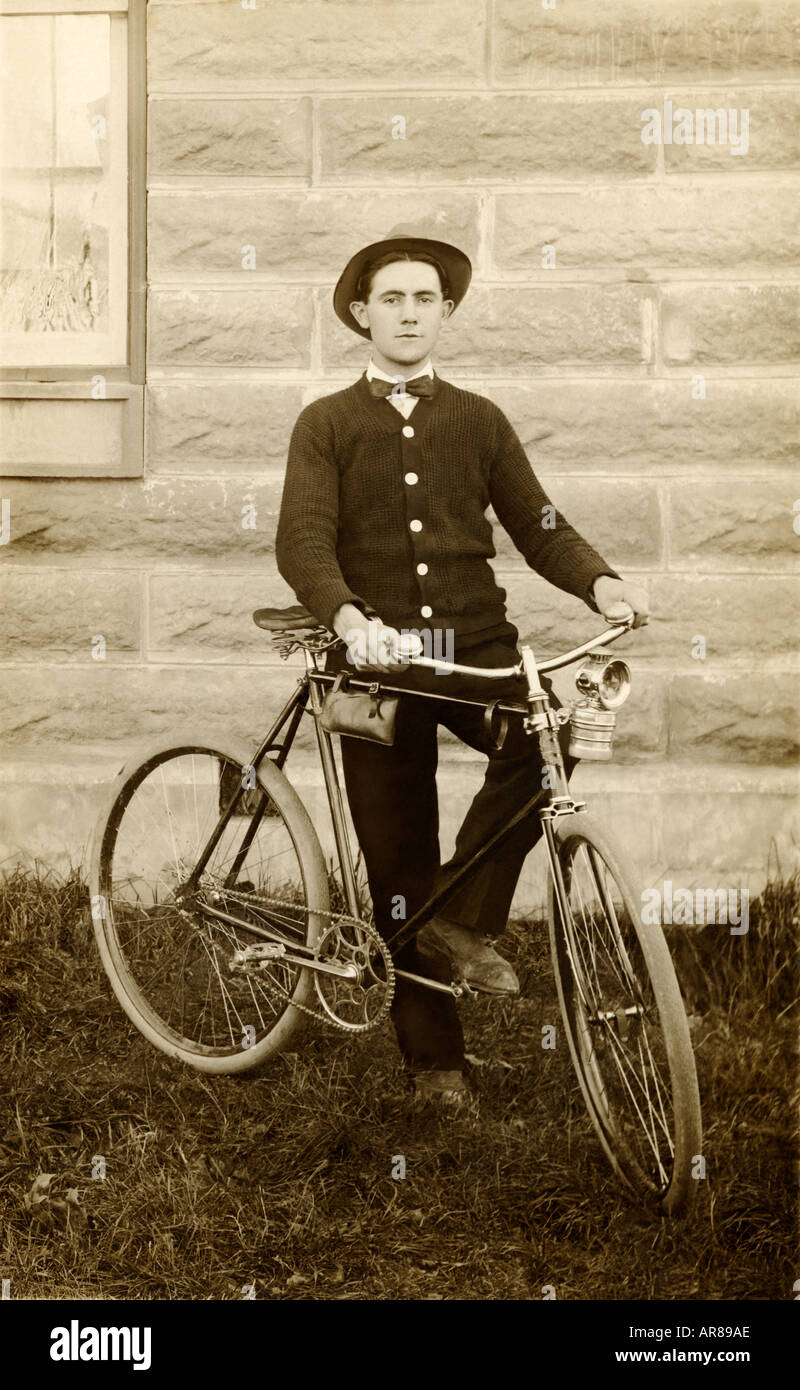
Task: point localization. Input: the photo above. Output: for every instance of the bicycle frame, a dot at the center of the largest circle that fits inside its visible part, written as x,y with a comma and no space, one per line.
540,720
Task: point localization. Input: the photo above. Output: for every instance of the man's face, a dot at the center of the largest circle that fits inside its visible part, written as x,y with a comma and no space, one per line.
404,313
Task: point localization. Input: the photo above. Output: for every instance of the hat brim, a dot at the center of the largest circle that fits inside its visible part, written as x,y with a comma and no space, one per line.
455,263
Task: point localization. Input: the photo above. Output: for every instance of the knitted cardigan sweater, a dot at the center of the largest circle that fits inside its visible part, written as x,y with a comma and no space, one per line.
389,514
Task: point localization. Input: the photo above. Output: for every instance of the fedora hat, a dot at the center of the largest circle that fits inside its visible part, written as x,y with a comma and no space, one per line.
456,266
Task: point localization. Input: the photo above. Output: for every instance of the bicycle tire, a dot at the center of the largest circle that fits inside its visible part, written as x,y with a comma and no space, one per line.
217,1059
658,1013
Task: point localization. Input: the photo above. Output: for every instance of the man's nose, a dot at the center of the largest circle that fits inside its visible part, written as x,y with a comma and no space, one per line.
410,312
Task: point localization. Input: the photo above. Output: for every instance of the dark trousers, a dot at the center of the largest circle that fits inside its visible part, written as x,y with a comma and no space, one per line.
393,801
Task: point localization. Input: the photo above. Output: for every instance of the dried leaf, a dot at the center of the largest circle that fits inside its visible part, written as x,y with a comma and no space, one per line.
39,1190
488,1061
46,1203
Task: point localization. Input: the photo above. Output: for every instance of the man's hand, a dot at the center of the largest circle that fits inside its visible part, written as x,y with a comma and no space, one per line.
618,598
370,645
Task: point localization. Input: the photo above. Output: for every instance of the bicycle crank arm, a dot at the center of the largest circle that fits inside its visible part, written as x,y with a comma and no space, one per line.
262,955
457,990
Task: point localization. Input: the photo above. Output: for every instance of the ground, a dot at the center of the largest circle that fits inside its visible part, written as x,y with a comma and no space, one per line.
279,1184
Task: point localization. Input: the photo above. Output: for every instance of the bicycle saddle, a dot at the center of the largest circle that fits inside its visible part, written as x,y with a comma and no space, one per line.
275,619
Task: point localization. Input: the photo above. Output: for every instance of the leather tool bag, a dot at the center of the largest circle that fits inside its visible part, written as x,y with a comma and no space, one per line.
359,714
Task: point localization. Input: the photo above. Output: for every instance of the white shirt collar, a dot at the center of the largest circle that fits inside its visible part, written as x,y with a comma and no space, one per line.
373,371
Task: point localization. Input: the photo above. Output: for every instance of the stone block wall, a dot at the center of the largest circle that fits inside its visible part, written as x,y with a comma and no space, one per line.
649,362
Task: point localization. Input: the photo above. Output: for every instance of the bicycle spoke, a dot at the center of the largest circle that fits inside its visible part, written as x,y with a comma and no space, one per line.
615,1023
177,955
646,1126
610,958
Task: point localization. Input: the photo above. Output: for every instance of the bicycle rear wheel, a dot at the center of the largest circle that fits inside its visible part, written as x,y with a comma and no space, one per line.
169,963
625,1021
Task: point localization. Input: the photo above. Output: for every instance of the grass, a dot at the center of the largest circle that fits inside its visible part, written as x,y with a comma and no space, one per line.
283,1179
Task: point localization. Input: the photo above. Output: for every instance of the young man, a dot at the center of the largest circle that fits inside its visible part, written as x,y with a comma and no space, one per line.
383,523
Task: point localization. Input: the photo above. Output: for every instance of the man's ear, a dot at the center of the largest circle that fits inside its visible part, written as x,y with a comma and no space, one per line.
447,308
359,311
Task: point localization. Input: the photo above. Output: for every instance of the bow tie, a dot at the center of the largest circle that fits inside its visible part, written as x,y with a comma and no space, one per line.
419,386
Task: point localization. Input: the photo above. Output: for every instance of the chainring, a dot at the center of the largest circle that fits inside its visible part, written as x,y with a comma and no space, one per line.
361,1005
355,1006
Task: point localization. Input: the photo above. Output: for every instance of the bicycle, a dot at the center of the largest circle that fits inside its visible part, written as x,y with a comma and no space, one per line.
212,911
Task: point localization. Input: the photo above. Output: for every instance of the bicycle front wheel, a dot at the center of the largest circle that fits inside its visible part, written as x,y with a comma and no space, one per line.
625,1021
173,967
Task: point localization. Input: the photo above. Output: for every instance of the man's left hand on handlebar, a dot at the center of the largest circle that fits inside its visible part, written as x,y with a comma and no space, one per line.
618,598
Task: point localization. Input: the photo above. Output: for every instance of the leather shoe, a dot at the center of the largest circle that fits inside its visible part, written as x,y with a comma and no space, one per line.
473,958
441,1087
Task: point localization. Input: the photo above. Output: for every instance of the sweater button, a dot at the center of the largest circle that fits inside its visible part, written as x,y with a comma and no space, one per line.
422,568
411,479
426,611
415,525
408,431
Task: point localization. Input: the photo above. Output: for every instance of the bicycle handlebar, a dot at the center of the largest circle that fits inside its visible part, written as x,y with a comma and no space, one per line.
555,663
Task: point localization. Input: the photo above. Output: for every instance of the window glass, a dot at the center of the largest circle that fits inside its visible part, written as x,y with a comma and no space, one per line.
63,190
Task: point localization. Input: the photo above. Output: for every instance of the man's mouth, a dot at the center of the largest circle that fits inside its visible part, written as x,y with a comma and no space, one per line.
409,335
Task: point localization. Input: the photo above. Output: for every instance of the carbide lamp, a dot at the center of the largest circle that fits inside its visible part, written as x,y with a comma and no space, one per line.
605,683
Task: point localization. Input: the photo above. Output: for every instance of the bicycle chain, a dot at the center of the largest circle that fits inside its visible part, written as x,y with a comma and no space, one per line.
339,917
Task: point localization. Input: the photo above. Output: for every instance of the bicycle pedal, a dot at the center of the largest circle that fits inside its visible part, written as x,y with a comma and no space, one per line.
251,955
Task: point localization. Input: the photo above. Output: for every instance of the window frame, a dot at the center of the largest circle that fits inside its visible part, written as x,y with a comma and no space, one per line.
124,381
